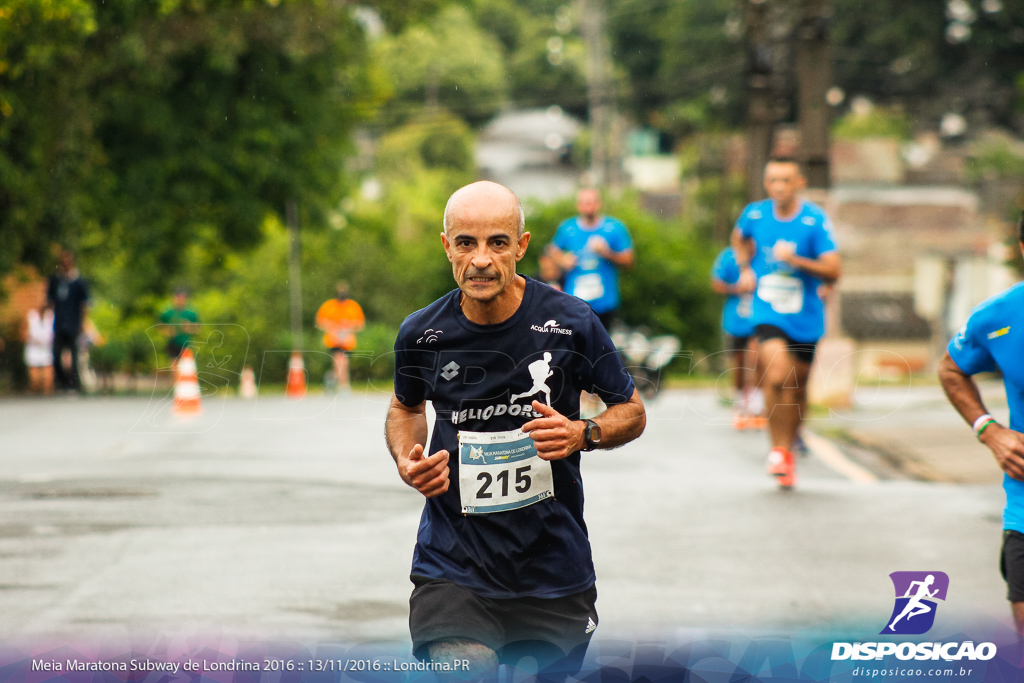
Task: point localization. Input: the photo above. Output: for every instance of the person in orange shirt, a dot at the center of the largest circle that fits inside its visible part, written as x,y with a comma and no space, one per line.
340,318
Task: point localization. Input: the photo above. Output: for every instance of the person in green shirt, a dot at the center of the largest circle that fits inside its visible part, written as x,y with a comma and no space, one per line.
180,323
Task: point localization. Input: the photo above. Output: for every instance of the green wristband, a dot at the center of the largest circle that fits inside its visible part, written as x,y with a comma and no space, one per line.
982,428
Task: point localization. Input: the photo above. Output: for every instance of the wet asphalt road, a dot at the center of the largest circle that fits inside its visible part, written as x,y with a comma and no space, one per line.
271,519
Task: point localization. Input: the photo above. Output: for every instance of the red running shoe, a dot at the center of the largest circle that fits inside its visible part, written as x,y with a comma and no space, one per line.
782,466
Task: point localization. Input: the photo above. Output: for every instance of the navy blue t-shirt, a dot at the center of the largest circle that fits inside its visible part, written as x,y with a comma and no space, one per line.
67,297
481,380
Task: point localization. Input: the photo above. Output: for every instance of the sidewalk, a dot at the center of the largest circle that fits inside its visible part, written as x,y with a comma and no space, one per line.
914,433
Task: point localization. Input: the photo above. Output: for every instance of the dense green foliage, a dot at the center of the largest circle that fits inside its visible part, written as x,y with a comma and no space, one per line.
682,54
132,129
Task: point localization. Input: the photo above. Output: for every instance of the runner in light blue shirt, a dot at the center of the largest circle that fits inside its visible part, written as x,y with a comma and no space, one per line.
992,339
591,248
739,329
785,250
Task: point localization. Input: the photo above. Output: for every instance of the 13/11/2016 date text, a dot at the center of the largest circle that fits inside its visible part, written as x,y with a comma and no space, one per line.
345,665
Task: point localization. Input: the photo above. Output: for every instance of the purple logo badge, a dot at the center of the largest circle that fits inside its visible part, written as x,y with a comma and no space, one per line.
916,593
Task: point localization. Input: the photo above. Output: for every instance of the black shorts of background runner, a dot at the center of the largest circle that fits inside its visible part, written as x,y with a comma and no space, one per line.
736,343
555,631
802,351
337,349
173,350
1011,564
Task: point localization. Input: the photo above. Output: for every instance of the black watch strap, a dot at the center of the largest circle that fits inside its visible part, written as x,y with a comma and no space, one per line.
591,435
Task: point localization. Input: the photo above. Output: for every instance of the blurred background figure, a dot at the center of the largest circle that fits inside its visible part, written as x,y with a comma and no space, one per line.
748,403
181,323
68,296
340,318
549,273
38,336
590,248
89,338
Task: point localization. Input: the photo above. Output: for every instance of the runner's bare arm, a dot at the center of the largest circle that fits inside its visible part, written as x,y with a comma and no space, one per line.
828,266
743,252
556,436
565,260
621,259
405,432
720,287
1006,444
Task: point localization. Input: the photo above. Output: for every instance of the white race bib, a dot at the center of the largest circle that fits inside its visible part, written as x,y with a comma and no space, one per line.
501,471
745,306
784,293
588,287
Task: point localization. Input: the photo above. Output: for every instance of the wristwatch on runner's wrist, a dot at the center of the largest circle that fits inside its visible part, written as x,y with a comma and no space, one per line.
591,435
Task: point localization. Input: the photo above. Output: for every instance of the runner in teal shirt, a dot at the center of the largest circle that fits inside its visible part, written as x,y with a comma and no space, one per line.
993,339
785,250
591,248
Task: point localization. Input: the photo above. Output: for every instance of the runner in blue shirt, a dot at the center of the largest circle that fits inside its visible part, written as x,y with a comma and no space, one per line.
739,330
992,339
502,566
785,250
590,248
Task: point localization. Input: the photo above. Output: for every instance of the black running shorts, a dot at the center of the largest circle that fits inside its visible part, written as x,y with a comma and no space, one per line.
1011,564
802,351
556,631
733,343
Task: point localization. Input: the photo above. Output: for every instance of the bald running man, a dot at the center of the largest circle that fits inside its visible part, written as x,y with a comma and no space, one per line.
502,567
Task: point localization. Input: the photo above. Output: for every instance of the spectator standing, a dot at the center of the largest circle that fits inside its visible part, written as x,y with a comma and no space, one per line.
68,296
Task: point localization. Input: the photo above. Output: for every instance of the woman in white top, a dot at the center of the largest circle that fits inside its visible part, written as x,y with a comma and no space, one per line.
39,350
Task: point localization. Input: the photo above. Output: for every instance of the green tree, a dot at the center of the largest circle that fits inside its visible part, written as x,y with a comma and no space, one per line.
896,53
134,128
543,54
46,146
450,62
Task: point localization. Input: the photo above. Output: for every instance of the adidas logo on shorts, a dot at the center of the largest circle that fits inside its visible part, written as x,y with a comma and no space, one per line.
590,626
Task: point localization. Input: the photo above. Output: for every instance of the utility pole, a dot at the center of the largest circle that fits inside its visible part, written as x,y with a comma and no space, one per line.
291,211
760,117
814,78
600,98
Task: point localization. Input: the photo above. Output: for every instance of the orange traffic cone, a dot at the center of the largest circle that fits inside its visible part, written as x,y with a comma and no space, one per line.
186,386
296,386
247,389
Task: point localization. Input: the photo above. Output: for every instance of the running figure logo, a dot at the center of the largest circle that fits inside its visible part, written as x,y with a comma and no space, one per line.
916,593
540,371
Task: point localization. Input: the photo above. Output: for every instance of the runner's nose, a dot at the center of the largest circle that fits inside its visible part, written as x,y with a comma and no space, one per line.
481,261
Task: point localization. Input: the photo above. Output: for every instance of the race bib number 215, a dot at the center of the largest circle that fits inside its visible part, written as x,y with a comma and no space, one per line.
501,471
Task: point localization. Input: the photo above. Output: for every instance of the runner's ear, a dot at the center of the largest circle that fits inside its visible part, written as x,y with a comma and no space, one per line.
524,242
447,249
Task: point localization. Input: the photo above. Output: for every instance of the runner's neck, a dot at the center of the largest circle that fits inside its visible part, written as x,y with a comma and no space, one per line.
787,212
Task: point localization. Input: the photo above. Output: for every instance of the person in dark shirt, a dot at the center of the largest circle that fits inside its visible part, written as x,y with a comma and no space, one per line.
68,296
502,567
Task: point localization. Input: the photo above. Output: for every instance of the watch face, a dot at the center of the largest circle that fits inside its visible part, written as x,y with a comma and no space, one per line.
593,432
